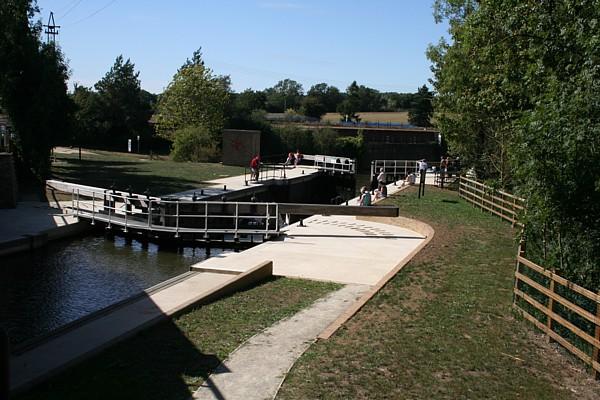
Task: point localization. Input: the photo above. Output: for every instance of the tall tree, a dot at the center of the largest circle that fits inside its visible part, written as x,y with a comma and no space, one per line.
350,106
195,97
123,112
421,108
33,87
284,95
327,95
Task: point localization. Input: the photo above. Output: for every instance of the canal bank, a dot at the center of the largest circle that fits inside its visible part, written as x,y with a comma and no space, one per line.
31,225
358,261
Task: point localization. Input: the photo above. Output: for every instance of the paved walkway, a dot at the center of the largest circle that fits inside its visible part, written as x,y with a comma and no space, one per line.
257,369
328,248
31,224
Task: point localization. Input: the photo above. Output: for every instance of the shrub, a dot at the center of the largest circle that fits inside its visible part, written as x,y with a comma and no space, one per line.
194,143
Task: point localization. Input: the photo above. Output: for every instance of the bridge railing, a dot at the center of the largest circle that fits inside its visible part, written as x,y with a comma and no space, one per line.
133,211
332,163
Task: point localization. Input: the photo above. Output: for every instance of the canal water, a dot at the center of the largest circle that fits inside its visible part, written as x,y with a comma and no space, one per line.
43,290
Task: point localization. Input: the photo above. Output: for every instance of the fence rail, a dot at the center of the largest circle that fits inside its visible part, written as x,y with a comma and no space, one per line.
566,312
505,205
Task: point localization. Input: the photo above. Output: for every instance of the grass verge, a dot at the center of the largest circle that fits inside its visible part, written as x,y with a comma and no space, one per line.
170,360
161,176
444,327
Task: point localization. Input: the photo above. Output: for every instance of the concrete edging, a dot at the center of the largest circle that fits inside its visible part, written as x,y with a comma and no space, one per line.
256,274
417,226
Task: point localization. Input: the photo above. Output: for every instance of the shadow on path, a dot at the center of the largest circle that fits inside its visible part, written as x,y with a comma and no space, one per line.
158,363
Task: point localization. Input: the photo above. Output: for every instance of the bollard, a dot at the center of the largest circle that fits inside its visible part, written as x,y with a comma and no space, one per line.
225,188
194,197
4,365
301,223
201,192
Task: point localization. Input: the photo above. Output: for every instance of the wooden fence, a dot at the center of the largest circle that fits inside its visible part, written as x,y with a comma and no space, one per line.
566,312
505,205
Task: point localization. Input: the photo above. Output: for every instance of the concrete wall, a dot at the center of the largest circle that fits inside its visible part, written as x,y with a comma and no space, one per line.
8,181
239,146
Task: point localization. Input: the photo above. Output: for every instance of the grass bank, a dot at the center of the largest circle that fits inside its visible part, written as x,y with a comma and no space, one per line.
161,176
171,360
444,327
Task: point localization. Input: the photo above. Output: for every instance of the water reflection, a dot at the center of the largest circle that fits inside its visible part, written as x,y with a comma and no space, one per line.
43,290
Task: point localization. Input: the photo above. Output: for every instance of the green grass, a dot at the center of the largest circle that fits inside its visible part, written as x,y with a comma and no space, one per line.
444,327
170,360
163,176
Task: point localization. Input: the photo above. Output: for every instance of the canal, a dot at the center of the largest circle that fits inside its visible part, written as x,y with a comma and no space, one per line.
43,290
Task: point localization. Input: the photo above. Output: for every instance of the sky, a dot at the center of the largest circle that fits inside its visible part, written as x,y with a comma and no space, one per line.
379,43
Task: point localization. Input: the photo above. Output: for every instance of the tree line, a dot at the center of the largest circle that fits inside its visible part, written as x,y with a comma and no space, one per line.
518,97
187,117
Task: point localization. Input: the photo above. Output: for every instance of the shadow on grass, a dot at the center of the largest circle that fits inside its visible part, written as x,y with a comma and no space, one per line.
121,174
158,363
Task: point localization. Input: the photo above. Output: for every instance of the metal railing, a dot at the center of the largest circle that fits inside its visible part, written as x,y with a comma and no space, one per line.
332,163
139,212
268,171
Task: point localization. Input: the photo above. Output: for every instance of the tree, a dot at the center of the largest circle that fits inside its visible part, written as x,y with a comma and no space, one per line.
195,97
284,95
518,96
329,96
122,110
349,107
421,108
312,107
33,87
87,116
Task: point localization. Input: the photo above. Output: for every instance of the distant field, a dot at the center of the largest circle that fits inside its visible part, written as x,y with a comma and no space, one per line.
400,117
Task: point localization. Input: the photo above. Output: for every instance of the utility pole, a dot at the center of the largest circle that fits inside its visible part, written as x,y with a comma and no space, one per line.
51,29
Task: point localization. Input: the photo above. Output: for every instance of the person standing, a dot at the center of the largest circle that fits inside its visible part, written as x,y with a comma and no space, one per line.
255,168
443,170
423,173
381,177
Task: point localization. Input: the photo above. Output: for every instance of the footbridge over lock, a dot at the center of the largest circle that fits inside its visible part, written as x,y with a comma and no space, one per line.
199,215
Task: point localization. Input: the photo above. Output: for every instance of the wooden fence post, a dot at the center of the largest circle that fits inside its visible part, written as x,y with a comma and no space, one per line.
596,351
550,310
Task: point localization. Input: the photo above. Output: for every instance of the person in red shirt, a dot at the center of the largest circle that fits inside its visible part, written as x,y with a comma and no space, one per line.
255,168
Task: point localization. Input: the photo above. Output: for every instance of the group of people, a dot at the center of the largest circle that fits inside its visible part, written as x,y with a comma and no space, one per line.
378,189
293,158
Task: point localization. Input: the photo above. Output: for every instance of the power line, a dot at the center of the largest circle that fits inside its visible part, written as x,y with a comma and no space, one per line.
77,2
66,6
94,13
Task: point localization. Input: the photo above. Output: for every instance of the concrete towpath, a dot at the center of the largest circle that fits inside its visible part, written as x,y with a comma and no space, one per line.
256,370
31,224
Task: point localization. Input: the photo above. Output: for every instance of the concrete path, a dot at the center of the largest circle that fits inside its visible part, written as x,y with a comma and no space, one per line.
256,370
31,224
30,218
337,248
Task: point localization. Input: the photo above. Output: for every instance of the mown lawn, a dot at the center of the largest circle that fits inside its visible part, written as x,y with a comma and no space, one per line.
171,360
160,176
444,327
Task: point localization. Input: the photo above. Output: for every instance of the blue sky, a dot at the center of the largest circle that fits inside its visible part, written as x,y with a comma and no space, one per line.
378,43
